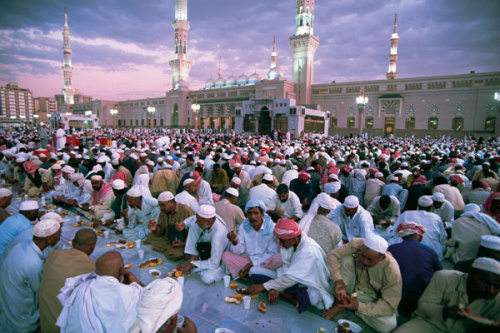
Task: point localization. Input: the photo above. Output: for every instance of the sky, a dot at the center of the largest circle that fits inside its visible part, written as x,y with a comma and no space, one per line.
121,48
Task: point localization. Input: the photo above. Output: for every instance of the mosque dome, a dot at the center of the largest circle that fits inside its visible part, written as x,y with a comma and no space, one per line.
220,82
275,73
254,78
242,79
209,84
230,81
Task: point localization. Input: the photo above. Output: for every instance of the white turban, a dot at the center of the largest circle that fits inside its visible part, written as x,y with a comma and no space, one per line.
160,300
150,163
233,192
325,201
46,228
268,177
351,201
187,181
472,207
68,169
379,174
165,196
52,216
236,180
28,205
490,242
376,243
487,264
5,192
425,201
118,184
438,196
134,192
56,167
236,165
101,159
333,176
332,187
206,211
133,156
96,177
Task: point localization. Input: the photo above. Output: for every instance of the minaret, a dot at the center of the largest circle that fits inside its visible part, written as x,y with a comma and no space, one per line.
68,90
219,72
304,45
180,66
392,72
273,54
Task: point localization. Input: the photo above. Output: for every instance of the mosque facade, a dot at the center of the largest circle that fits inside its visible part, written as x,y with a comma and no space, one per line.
454,105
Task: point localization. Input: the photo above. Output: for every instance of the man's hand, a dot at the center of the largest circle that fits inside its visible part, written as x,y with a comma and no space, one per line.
233,237
452,312
255,288
351,303
85,206
70,202
340,290
128,277
20,191
179,226
188,327
125,213
245,270
171,326
178,243
152,225
273,295
185,267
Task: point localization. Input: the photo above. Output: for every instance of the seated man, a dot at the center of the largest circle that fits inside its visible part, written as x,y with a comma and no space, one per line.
443,208
367,281
285,204
218,179
353,220
20,273
439,307
415,277
253,246
119,205
5,201
141,211
489,247
188,195
17,223
62,264
163,236
102,198
78,192
226,208
384,210
303,277
206,243
37,180
62,182
164,296
99,302
327,234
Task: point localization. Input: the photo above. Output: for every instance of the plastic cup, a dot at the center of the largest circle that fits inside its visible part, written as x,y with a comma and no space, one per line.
180,280
138,243
106,234
246,302
180,321
227,279
140,252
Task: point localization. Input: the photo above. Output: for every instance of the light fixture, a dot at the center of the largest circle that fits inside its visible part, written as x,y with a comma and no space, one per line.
88,113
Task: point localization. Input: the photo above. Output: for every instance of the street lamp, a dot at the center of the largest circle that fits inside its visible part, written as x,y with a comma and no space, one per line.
88,113
196,109
35,118
361,100
151,113
113,113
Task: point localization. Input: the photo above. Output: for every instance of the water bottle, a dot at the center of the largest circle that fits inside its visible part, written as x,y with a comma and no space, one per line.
42,201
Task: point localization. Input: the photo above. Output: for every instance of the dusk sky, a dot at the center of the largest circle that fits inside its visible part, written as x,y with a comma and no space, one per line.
121,48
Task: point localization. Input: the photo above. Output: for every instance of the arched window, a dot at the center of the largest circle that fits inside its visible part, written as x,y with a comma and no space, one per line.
350,122
489,124
458,123
432,124
410,122
333,122
369,122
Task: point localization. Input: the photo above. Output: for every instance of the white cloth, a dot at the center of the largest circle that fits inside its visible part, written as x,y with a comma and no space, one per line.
292,206
305,222
305,265
446,212
138,219
359,225
187,199
61,138
205,193
288,176
93,303
262,192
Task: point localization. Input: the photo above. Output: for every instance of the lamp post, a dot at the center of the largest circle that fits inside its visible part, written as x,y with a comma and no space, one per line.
151,113
327,123
113,113
361,100
196,109
35,118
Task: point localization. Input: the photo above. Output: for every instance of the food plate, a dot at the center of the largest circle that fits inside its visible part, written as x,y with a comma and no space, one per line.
353,327
154,272
223,330
121,246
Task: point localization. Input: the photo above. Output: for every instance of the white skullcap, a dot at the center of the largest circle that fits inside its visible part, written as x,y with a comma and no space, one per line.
52,216
393,178
160,300
438,196
490,242
76,176
487,264
206,211
268,177
425,201
115,162
379,174
253,162
277,160
87,157
159,160
68,169
294,167
233,192
201,161
166,196
5,192
101,159
133,156
404,164
168,166
143,154
351,201
169,157
187,181
151,163
97,167
56,167
325,201
236,165
472,207
134,192
376,243
118,184
236,180
28,205
333,176
96,177
46,228
283,161
332,187
310,168
78,156
20,160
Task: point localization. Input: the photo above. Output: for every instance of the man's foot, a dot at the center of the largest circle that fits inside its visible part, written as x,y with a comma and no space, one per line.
331,312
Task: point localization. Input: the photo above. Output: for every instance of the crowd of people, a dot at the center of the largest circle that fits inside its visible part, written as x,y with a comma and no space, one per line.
403,233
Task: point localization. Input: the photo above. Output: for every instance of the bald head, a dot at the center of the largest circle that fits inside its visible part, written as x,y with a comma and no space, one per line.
85,240
109,264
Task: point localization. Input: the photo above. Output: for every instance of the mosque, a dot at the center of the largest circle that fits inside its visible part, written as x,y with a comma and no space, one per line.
454,105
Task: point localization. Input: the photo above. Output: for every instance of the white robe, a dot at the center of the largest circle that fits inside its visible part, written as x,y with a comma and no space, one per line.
61,138
262,192
138,219
187,199
359,225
